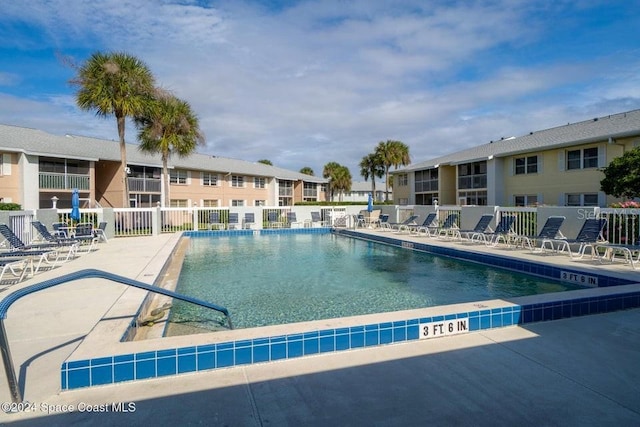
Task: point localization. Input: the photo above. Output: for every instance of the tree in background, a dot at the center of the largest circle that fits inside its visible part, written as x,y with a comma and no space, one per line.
307,171
329,172
168,126
265,162
341,181
392,153
622,175
371,166
115,84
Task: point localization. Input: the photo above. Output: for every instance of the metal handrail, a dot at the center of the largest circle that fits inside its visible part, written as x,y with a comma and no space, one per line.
14,389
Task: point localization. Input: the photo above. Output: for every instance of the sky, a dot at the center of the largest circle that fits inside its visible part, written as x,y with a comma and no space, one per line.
304,83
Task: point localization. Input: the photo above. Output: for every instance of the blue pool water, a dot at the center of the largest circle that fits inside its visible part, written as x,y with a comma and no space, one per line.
275,279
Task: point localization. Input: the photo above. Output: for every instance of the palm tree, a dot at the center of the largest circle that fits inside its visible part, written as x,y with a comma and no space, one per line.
371,166
265,162
115,84
168,126
307,170
392,153
329,172
341,180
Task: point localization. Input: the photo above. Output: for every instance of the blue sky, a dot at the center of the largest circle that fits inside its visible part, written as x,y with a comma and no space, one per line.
308,82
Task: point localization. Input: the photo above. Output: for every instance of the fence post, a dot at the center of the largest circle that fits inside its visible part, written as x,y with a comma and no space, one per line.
196,215
156,221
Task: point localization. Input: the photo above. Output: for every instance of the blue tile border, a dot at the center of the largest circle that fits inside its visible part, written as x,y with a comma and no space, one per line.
153,364
173,361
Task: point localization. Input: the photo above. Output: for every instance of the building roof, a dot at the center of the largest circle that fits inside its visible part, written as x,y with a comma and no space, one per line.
36,142
588,131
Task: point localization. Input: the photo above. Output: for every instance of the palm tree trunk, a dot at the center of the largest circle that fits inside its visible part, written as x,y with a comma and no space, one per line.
165,174
123,162
386,183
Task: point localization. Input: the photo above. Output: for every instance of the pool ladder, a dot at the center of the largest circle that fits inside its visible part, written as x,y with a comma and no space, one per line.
16,394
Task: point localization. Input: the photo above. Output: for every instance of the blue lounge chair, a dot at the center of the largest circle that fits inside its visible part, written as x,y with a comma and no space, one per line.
317,219
426,225
249,220
273,219
214,221
50,253
481,227
404,225
630,253
502,232
449,226
550,231
590,236
292,220
58,239
234,221
16,267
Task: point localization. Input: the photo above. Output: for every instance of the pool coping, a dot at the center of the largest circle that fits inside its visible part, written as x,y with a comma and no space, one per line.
160,357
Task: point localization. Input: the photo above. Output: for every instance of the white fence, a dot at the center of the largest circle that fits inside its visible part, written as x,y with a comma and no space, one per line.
623,224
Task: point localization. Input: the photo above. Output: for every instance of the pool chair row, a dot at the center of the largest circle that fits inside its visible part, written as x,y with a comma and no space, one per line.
19,259
274,219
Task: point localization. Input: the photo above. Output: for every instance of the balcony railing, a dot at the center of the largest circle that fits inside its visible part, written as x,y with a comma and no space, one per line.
63,181
146,185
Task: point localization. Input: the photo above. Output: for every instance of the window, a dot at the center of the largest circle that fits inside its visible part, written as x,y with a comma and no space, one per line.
237,203
259,203
426,180
310,192
478,198
472,175
526,200
178,176
426,199
209,179
525,165
403,180
179,203
237,181
210,203
582,159
403,202
588,199
259,182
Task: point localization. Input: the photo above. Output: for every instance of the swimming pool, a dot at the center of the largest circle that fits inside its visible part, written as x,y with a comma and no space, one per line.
274,279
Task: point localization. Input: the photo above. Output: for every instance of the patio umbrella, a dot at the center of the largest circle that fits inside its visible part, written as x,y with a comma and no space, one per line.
370,203
75,205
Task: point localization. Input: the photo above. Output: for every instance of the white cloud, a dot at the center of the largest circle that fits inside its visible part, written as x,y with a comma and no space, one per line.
324,81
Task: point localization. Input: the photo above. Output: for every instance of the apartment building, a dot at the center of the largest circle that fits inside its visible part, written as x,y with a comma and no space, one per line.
37,168
558,166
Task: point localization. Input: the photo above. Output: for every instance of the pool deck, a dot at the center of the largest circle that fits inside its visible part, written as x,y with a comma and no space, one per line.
578,371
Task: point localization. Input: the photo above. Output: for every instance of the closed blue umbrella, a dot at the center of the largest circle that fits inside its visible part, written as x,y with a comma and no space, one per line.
75,205
370,203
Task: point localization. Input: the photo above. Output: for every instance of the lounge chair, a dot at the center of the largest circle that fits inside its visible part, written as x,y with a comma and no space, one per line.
384,222
630,253
249,220
84,234
234,221
481,227
49,253
273,219
590,236
426,226
400,227
550,231
214,221
292,221
502,232
58,239
448,227
317,219
16,244
16,267
100,232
